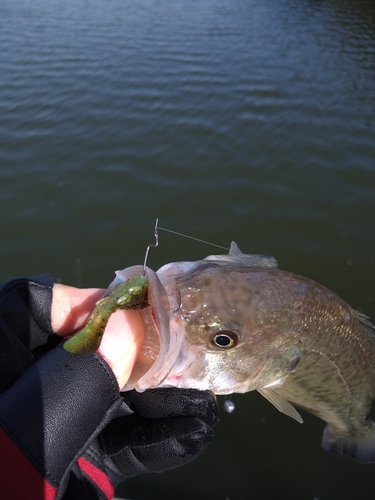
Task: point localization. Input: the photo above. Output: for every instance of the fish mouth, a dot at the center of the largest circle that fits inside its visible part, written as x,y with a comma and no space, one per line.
160,348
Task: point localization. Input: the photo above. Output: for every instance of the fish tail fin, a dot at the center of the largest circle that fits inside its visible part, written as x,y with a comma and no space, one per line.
360,448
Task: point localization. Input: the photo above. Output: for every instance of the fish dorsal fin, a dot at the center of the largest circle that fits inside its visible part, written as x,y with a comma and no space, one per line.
281,404
237,257
234,251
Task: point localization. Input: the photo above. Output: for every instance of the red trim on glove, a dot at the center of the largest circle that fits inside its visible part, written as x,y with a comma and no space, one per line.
18,477
98,476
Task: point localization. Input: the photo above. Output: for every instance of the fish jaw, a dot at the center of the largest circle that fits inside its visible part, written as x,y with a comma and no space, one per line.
196,367
154,363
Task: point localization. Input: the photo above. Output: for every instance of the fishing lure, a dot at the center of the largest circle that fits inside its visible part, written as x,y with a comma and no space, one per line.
132,294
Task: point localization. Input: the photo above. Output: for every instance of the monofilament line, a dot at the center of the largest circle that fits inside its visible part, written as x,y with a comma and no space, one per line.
192,238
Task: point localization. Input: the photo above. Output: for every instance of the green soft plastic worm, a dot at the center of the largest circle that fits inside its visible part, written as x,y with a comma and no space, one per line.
132,294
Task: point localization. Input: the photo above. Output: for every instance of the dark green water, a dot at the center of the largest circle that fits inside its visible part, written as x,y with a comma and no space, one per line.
244,120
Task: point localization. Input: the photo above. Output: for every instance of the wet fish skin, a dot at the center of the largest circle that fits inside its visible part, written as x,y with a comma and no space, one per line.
235,323
298,344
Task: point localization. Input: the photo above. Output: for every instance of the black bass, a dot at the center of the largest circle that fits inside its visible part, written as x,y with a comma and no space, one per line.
235,323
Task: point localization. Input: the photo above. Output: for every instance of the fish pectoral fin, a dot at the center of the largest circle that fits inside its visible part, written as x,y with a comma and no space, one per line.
281,404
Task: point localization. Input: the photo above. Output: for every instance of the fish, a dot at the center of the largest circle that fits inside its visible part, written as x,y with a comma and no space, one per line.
236,323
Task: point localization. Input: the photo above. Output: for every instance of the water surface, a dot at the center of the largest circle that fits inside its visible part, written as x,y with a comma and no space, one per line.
243,120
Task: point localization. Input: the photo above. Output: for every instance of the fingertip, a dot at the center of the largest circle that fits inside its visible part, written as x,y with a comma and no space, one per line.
71,307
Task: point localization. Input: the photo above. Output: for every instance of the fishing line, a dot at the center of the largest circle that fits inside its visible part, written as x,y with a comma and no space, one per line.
192,238
156,234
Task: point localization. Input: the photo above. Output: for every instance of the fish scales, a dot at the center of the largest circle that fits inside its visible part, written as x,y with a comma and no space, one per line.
235,323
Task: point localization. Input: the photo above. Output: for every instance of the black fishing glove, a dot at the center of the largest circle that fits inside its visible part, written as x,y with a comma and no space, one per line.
169,428
64,412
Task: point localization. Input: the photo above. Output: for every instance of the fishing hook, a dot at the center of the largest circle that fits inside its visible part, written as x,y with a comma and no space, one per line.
156,234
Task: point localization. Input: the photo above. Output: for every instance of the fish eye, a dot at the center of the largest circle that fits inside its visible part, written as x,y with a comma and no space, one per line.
225,339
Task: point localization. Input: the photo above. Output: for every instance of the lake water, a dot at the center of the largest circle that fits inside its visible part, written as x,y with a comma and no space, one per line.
236,120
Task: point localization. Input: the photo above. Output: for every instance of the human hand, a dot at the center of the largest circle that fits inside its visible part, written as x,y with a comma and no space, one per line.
65,411
123,336
169,428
